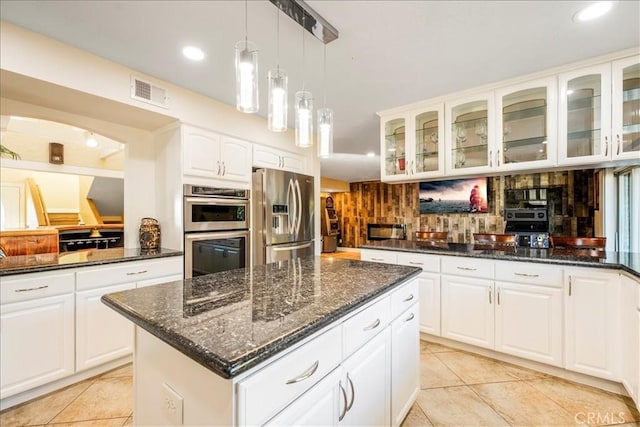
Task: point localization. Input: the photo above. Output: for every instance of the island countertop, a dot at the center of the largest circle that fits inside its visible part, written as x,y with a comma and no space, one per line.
54,261
626,261
231,321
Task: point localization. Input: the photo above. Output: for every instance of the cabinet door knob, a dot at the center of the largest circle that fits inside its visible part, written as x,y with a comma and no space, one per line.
619,143
409,298
410,318
490,158
32,289
606,146
353,393
218,168
306,374
498,158
489,295
224,169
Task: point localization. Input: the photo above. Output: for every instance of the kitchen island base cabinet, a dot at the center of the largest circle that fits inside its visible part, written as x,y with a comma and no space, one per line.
405,362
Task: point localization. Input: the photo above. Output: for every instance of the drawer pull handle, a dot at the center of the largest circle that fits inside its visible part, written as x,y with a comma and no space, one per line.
466,268
137,272
32,289
377,259
344,400
372,326
410,318
526,275
306,374
353,393
416,263
409,298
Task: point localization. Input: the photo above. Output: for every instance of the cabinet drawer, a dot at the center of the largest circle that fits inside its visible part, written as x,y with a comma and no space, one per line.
360,328
268,391
426,262
403,298
523,272
388,257
35,285
126,272
472,267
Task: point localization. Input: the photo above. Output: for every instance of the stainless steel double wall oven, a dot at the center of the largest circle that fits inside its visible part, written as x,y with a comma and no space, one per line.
216,229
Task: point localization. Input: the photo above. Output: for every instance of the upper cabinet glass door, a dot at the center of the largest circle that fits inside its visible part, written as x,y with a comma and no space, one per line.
526,127
394,147
626,109
585,115
469,131
428,156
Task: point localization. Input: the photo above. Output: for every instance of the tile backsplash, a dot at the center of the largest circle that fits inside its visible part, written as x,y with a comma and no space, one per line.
377,202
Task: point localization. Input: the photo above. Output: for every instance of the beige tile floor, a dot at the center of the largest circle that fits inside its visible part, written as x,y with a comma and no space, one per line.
457,389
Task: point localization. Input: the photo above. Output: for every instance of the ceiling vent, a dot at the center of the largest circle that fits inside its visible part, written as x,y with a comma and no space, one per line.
147,92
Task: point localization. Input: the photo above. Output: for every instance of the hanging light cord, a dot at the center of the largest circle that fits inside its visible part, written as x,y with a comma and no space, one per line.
303,30
324,75
245,24
278,39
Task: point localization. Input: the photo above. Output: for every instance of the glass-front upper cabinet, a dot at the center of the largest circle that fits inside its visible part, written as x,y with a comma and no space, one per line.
428,155
469,135
393,150
585,115
526,125
626,109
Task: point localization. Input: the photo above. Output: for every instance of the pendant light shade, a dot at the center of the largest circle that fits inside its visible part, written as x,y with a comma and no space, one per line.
278,105
325,132
246,77
304,119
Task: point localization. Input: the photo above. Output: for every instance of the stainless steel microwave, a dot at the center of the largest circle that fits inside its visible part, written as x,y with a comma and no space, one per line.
211,209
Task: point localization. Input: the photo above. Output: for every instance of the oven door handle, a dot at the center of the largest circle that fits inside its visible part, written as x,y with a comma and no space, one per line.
194,237
213,201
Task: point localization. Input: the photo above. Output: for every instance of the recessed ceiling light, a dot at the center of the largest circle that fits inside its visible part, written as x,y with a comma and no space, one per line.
193,53
593,11
371,154
91,140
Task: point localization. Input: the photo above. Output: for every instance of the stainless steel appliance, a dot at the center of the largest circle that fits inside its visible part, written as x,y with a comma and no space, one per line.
530,226
386,231
216,224
282,215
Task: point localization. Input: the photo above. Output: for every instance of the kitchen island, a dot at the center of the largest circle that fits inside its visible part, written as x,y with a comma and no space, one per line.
317,338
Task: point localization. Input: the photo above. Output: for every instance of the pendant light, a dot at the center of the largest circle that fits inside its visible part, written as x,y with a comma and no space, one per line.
277,78
304,109
325,119
246,73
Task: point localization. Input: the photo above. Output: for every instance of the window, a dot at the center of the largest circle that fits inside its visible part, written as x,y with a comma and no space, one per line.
628,232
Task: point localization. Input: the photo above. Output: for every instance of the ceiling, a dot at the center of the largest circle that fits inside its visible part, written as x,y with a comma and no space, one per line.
389,53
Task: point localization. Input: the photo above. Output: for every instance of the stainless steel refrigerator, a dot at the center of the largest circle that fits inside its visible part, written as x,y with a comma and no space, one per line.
283,205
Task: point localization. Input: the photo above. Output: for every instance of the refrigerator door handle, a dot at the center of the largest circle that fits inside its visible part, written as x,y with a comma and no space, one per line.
298,208
288,248
291,206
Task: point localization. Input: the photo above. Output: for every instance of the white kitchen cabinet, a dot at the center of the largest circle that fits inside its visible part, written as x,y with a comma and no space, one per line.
37,342
469,129
273,158
626,105
467,310
405,362
592,310
412,144
322,405
584,125
367,379
528,321
526,125
101,334
428,289
210,155
630,339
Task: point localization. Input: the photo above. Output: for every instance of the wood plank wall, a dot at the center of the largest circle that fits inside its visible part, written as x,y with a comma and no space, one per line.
377,202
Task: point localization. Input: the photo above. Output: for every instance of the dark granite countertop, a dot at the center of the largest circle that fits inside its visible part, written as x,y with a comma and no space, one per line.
54,261
627,261
233,320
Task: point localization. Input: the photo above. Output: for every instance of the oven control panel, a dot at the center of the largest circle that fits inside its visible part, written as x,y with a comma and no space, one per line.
533,240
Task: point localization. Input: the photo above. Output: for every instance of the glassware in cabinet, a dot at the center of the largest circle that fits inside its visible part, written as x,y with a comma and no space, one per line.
626,108
468,135
394,148
428,139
